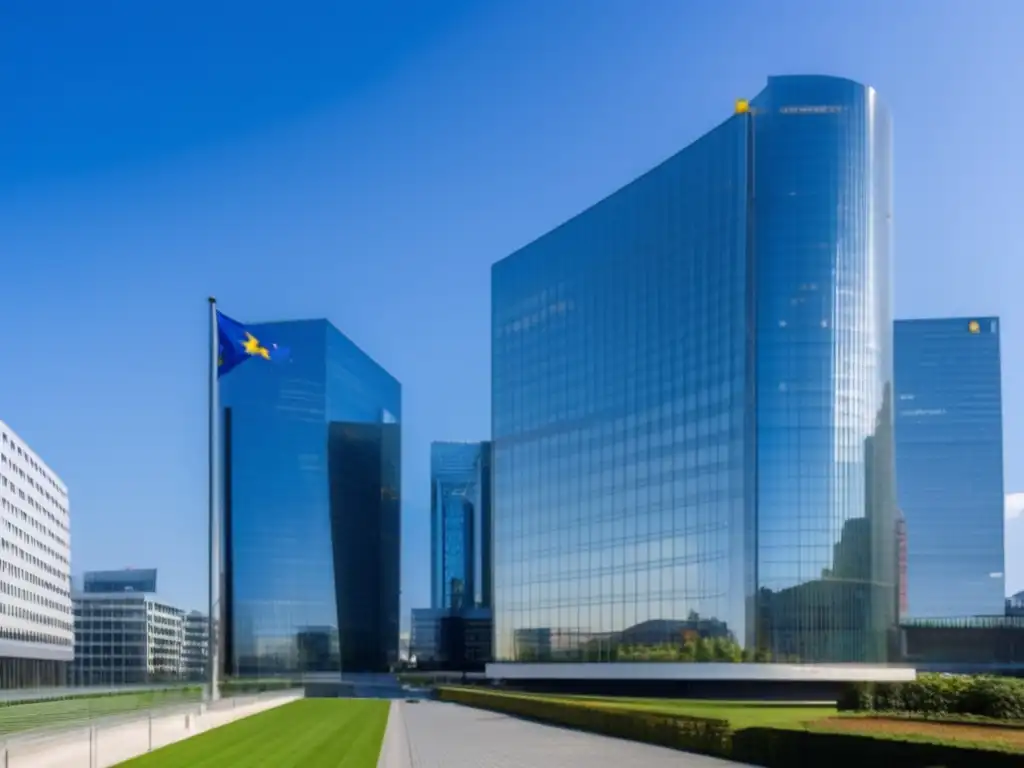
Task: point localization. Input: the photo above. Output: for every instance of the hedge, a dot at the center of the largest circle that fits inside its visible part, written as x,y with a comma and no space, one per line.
769,747
999,698
704,735
784,748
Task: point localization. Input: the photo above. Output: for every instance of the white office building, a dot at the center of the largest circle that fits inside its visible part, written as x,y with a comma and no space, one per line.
36,626
124,635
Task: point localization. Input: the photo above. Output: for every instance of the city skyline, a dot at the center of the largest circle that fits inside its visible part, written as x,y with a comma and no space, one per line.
384,213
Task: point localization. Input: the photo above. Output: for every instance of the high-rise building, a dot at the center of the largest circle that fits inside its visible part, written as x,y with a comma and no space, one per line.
311,501
691,398
949,460
124,634
460,525
36,624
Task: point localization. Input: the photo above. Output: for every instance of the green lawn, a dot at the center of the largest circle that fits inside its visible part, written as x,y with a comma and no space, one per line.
58,712
311,733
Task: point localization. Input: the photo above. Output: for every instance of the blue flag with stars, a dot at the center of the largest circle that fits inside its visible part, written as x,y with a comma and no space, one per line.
238,343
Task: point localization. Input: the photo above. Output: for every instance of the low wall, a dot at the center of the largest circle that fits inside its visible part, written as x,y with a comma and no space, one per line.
107,744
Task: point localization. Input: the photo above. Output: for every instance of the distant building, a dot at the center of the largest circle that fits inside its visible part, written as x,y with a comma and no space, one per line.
460,525
36,627
195,648
312,479
1015,604
124,580
949,465
456,632
123,636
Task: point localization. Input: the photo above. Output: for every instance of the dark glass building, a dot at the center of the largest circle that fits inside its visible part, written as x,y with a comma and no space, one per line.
311,500
949,460
691,400
460,525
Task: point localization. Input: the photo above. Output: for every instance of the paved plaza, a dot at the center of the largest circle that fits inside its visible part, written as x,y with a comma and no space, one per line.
442,735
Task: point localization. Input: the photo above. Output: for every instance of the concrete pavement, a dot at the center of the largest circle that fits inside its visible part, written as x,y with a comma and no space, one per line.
434,734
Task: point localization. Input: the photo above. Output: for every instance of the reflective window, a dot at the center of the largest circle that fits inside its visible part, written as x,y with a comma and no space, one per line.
949,457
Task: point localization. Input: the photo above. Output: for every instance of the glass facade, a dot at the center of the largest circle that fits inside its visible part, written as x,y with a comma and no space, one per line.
691,406
460,525
312,524
126,580
949,459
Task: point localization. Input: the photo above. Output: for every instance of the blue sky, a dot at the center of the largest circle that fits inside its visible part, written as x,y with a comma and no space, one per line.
368,165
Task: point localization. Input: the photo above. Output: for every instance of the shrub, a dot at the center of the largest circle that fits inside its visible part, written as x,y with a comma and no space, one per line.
782,748
984,696
694,734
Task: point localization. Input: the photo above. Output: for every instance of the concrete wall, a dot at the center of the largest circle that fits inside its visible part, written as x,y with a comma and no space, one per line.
107,744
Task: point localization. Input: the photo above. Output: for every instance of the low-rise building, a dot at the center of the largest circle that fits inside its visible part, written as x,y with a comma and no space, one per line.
123,634
195,650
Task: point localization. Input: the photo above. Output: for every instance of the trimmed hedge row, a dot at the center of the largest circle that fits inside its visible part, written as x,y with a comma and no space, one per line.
704,735
783,748
769,747
999,698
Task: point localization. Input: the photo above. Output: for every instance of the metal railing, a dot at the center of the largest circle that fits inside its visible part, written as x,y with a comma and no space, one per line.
97,739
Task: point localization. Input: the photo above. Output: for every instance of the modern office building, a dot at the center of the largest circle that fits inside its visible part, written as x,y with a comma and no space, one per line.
692,399
36,626
456,632
949,462
311,508
124,634
460,525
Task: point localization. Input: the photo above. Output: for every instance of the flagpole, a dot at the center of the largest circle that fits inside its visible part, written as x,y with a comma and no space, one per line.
213,643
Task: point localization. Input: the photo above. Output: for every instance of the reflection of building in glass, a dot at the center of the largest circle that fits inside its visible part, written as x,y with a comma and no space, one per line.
312,477
691,400
460,525
446,638
949,455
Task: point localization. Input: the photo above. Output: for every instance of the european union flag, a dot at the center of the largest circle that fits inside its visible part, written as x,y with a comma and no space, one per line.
238,343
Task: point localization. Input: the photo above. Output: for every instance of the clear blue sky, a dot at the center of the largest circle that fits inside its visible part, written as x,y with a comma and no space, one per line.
370,165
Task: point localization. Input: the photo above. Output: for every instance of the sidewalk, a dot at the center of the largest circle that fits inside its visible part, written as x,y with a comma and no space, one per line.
441,735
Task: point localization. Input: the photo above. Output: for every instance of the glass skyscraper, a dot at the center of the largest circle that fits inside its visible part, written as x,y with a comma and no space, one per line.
460,525
949,459
691,399
311,500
